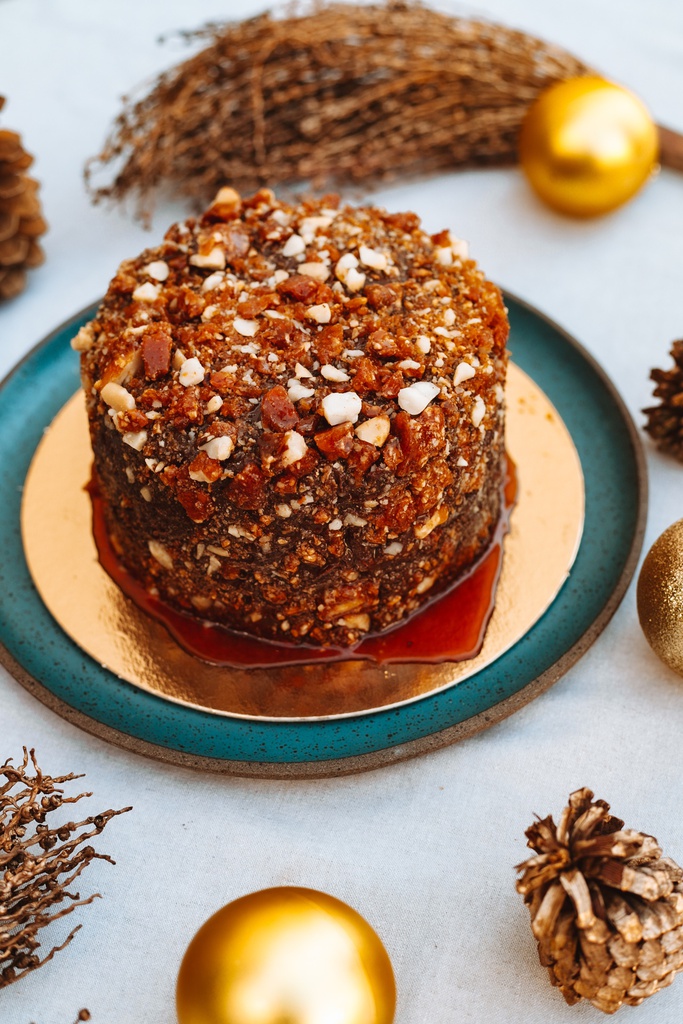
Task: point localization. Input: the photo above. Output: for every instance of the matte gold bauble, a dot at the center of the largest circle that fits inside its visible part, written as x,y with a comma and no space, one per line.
587,146
660,597
286,956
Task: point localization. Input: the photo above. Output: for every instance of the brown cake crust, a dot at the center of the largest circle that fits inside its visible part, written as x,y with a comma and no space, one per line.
297,415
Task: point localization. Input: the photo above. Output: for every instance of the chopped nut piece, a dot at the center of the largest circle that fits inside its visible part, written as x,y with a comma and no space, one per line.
360,622
146,292
160,554
301,371
478,411
354,280
214,260
136,439
460,248
444,255
341,407
247,328
336,524
332,373
296,392
219,448
320,271
83,341
372,258
158,269
375,430
214,404
191,372
310,225
423,530
295,448
461,461
294,246
463,372
416,397
345,263
320,313
117,398
213,281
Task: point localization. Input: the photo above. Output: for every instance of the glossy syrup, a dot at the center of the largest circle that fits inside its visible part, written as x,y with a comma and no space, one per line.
449,628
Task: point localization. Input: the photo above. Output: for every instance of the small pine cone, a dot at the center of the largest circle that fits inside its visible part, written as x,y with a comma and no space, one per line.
665,421
21,221
606,907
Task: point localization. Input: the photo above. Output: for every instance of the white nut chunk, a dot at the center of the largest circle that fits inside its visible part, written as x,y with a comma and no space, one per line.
372,258
322,314
341,407
295,448
354,280
219,448
117,398
374,431
297,391
160,554
84,340
344,264
146,292
415,398
478,411
136,439
214,404
214,260
191,372
318,271
247,328
294,246
333,373
158,269
463,371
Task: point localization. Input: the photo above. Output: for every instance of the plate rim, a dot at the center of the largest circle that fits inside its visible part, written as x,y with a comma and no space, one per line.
438,739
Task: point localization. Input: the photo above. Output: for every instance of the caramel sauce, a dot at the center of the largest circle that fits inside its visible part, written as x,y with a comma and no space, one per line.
451,627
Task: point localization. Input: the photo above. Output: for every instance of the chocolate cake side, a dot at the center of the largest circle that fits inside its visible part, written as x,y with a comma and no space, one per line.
297,416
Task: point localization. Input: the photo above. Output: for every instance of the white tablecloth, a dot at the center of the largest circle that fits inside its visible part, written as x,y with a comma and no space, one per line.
425,849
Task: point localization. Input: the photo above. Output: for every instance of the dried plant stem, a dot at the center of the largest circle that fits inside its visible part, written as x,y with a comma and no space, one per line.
346,95
38,863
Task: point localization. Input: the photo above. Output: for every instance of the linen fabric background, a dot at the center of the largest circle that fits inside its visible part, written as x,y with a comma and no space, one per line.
425,850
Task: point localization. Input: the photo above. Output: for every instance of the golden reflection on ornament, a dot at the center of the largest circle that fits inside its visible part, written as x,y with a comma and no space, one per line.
660,597
587,146
286,955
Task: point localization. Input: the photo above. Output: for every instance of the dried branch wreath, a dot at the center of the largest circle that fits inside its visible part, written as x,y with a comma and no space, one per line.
345,94
39,863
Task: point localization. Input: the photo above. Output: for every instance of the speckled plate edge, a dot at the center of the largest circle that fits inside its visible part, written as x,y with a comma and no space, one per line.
396,743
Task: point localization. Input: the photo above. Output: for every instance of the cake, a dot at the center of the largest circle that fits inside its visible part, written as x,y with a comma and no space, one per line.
297,416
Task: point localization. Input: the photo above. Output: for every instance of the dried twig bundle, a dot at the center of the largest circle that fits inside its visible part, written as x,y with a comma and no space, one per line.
665,421
38,863
606,906
345,94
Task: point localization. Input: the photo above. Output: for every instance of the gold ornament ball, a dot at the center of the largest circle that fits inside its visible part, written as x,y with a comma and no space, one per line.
660,597
286,956
587,146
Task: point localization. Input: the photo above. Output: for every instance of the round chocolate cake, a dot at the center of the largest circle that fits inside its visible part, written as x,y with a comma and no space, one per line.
297,416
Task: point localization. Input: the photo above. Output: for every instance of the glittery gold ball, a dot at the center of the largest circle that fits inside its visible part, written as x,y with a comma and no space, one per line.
286,955
587,146
660,597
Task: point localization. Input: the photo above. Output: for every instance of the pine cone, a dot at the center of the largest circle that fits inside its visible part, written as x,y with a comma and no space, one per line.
21,222
606,907
665,421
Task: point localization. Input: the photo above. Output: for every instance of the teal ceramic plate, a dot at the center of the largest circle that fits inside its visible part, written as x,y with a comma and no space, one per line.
52,667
